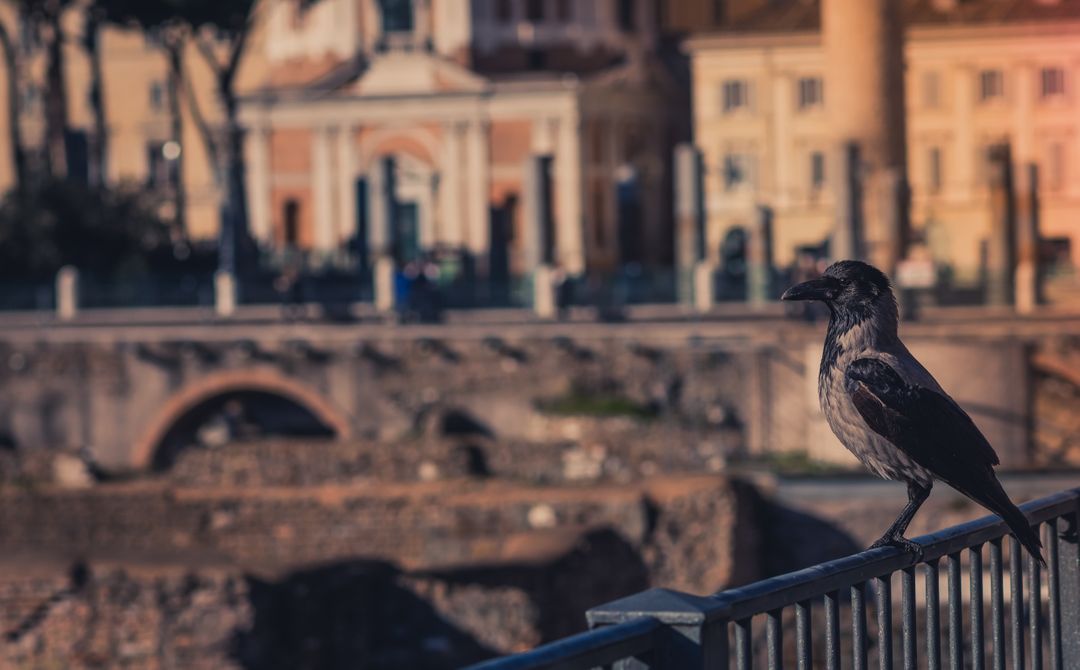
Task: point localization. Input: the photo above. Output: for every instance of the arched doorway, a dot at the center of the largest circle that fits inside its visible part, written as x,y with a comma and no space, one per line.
236,405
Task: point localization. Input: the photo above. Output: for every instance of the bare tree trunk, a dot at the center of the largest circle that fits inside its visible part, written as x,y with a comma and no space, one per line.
11,65
99,143
174,51
235,244
56,119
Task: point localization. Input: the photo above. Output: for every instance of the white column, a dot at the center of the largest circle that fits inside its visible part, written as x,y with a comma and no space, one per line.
376,229
569,190
452,186
479,176
322,190
964,162
346,180
258,174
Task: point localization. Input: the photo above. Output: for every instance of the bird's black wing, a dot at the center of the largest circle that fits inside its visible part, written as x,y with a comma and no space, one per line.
935,433
925,424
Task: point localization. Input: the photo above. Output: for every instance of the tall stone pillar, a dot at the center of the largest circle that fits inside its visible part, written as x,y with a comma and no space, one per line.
382,233
67,293
1026,280
571,188
479,185
689,218
847,236
864,94
1000,249
322,188
539,255
760,260
387,195
258,173
346,183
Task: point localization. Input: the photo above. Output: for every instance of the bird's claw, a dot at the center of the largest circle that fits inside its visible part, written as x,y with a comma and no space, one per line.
913,548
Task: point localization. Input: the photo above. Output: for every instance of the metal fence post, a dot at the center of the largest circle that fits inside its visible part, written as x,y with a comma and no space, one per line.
694,635
1068,557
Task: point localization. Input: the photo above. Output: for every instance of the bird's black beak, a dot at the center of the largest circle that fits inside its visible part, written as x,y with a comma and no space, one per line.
822,288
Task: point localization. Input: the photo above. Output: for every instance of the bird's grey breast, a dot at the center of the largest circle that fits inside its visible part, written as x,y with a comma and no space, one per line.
877,453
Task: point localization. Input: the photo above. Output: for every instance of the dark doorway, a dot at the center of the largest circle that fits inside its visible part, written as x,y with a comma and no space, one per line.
291,223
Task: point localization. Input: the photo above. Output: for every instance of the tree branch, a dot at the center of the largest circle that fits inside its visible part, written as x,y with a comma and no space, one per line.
210,141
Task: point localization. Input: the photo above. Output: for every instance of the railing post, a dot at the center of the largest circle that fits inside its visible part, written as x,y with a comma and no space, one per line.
694,636
1068,557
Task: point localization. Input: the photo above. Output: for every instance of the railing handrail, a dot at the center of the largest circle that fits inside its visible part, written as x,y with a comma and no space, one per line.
664,607
591,648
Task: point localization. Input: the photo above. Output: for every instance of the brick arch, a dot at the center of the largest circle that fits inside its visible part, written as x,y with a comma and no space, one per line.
229,381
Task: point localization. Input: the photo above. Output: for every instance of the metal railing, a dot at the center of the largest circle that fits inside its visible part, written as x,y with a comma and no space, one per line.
802,612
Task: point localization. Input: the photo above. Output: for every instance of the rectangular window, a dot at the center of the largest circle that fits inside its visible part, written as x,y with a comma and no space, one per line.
627,19
991,85
736,171
504,11
735,95
931,90
811,92
534,10
817,170
933,169
1052,82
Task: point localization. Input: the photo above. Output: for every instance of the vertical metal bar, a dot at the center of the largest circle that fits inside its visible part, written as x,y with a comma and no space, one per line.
907,607
774,637
1053,577
933,621
1035,612
832,630
997,614
956,625
1016,604
1069,582
803,632
744,655
858,626
883,604
975,603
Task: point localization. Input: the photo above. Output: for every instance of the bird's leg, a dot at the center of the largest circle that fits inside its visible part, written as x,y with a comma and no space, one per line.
894,536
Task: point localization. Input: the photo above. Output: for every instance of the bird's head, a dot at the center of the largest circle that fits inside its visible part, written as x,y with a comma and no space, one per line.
850,287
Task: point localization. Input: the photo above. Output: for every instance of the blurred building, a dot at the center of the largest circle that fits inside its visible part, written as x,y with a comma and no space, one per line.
978,73
141,149
405,126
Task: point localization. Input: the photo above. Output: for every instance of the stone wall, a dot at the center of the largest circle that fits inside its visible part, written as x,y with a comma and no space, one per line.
485,567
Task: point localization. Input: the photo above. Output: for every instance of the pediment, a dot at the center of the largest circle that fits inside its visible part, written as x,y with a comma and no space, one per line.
412,73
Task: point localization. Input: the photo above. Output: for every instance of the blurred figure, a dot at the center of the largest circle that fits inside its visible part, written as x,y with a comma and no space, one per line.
287,286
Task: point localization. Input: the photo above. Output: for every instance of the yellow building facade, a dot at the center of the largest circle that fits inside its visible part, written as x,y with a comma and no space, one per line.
977,74
135,74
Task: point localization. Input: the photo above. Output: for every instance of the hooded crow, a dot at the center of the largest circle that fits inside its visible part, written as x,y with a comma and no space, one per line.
890,412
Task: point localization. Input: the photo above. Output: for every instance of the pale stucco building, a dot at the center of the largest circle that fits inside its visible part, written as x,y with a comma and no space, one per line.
138,122
449,100
978,72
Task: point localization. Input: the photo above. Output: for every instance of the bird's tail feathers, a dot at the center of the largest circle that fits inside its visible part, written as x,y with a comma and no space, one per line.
997,501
